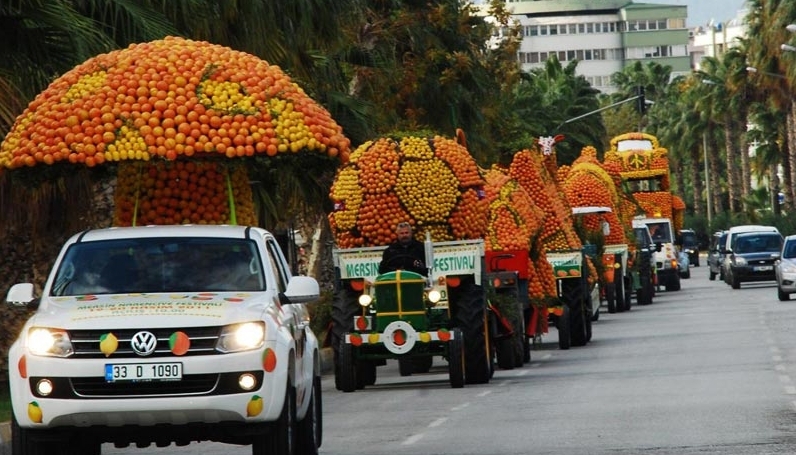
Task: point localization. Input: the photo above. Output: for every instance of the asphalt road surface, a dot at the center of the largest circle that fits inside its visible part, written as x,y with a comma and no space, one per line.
703,370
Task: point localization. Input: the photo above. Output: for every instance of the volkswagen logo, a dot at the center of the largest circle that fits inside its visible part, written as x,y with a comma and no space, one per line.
144,343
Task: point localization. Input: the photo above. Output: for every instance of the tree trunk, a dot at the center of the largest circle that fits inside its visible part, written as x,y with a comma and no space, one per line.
790,155
715,172
733,180
743,152
697,167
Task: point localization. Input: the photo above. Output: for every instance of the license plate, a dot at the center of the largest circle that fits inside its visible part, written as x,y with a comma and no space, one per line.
763,268
143,372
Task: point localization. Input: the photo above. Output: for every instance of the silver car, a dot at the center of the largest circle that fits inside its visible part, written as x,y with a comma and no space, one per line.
785,269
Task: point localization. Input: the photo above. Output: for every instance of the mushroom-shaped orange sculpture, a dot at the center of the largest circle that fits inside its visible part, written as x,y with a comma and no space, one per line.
171,113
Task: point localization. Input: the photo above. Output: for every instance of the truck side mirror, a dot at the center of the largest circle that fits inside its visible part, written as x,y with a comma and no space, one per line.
658,247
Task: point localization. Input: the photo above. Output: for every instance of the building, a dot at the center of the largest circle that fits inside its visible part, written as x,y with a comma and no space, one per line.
604,36
715,38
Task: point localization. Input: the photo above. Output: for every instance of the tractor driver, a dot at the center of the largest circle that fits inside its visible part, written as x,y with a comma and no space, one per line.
404,254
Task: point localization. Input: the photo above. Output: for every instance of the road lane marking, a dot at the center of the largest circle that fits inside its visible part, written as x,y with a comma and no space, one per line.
412,439
779,367
484,393
784,378
460,407
438,422
776,358
790,390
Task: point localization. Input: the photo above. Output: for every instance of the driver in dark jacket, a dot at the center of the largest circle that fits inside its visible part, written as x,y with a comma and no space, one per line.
405,254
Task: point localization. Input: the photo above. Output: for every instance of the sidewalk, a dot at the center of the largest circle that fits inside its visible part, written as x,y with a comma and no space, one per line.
327,366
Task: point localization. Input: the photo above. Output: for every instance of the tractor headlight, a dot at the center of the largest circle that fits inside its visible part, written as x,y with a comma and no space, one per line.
434,296
365,300
241,337
49,342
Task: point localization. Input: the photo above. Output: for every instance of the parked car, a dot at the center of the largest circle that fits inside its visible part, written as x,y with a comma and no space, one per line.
752,257
729,243
689,243
716,256
785,269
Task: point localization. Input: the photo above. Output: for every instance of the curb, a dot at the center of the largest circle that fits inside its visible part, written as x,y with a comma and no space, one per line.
5,438
327,366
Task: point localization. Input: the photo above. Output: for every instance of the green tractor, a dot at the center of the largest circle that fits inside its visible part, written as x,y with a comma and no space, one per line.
405,316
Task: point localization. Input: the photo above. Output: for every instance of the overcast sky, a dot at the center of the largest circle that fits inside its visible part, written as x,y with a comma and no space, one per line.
700,12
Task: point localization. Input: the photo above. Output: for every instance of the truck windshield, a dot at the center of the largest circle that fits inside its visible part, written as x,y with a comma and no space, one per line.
152,265
661,233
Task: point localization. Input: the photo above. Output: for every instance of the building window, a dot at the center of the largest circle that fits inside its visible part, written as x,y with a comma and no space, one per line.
589,28
581,28
570,55
676,23
543,30
573,29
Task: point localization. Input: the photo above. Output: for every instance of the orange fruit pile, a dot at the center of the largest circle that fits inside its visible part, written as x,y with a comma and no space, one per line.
431,182
585,184
170,98
513,218
533,173
181,192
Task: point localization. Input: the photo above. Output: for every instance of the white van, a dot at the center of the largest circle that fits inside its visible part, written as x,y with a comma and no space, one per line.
732,234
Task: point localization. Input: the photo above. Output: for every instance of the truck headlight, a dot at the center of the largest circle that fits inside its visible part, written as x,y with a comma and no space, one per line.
241,337
49,342
434,296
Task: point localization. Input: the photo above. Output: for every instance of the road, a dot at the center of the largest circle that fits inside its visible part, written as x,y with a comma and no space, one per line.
706,370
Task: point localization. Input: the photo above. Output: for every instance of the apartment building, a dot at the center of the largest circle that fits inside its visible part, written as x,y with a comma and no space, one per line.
604,36
716,37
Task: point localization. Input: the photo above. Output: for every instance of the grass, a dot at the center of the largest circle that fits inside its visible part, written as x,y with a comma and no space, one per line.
5,403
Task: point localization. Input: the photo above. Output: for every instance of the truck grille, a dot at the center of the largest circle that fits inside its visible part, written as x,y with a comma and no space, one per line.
86,343
188,385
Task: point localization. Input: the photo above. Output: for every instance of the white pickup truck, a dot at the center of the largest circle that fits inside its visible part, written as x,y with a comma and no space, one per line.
167,334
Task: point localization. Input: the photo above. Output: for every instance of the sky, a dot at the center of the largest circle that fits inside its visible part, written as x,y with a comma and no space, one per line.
700,12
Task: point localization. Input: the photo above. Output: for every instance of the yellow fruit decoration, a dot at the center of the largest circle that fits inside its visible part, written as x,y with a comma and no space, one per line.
373,338
34,412
255,406
108,344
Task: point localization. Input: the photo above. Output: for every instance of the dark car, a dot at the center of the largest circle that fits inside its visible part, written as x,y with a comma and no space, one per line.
715,255
689,243
753,257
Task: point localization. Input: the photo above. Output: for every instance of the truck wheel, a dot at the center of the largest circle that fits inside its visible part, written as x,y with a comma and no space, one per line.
736,283
610,297
456,359
344,309
24,441
282,440
310,428
471,318
562,324
345,373
712,276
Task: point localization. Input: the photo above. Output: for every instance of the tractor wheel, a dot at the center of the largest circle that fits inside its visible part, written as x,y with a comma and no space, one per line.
406,367
562,324
366,374
469,307
344,309
456,359
345,373
627,290
422,364
610,297
505,352
572,293
712,275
